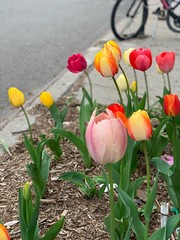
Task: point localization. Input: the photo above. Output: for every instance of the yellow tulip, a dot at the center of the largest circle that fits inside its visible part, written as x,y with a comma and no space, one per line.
126,56
121,82
16,97
139,126
46,99
133,86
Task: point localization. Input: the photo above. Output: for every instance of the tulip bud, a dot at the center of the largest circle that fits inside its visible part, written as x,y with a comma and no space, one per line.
126,56
27,191
134,86
121,82
141,59
171,105
139,126
16,97
168,159
165,61
76,63
105,63
4,235
46,99
106,138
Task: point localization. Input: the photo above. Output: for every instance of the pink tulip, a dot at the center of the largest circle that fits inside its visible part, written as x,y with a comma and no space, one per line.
165,61
76,63
168,159
106,138
141,59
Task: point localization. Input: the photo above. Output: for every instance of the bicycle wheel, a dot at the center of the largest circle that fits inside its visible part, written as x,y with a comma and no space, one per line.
128,18
173,16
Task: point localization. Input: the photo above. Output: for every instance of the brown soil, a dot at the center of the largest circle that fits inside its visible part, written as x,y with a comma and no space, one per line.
85,217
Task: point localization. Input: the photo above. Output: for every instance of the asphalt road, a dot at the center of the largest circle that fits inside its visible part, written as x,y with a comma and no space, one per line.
38,36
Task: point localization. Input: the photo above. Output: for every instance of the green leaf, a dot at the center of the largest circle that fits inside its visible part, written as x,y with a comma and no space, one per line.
162,166
150,200
128,233
142,103
133,186
54,230
33,225
31,149
172,224
175,184
137,226
40,176
165,232
87,96
54,146
4,146
78,143
82,120
22,218
159,234
135,100
81,180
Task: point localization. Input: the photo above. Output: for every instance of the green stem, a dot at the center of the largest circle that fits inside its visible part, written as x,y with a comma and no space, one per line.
90,83
147,90
125,79
175,146
169,83
111,196
121,174
148,183
119,93
29,125
135,75
164,81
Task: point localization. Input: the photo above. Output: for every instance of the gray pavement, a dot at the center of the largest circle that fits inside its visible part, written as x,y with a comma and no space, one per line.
38,36
103,88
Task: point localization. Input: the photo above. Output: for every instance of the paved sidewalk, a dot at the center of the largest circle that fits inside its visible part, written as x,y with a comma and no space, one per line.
103,88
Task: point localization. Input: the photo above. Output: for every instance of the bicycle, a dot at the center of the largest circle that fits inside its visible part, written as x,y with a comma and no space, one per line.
129,17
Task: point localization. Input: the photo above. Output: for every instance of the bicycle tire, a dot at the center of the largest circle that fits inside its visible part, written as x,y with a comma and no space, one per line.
117,21
173,18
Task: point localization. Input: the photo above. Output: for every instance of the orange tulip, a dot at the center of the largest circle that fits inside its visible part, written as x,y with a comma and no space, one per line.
4,235
171,105
105,63
139,126
115,50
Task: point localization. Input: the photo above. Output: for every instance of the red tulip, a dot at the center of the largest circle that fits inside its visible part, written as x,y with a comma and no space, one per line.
116,107
141,59
76,63
118,111
4,235
106,138
165,61
171,105
139,126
